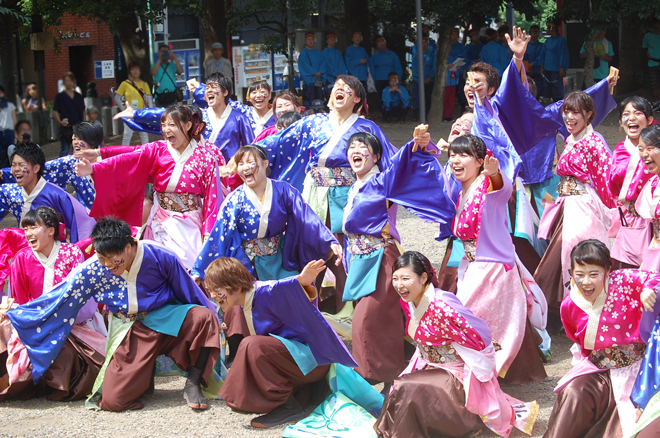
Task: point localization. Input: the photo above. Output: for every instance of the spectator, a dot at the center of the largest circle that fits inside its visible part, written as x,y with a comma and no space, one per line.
7,122
164,73
286,119
382,63
357,60
395,100
316,107
454,77
22,134
136,94
218,63
652,44
69,109
473,50
494,53
334,62
603,56
555,63
311,65
92,114
429,63
534,54
31,102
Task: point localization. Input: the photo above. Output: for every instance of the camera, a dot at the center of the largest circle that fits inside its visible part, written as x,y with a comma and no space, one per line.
165,55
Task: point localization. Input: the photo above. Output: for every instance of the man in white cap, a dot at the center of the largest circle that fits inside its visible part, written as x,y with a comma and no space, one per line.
218,63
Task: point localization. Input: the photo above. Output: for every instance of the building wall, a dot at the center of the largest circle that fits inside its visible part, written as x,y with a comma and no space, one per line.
86,41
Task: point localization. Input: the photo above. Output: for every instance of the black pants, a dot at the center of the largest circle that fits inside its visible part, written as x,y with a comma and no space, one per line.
397,113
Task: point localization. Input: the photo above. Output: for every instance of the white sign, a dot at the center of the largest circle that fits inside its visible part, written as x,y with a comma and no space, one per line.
107,69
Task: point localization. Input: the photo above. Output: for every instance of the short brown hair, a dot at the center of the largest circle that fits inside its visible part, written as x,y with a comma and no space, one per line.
134,64
492,77
287,95
230,274
255,150
579,102
69,75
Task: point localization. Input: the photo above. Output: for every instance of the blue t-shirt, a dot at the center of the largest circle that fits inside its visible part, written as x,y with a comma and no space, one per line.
652,43
166,80
556,54
605,47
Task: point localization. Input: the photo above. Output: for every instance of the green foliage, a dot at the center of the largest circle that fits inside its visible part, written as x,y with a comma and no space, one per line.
13,10
605,14
541,11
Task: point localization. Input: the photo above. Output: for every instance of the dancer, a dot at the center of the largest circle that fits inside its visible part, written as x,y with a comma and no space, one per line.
627,177
601,314
34,271
648,200
32,190
369,225
187,187
450,386
582,210
291,344
283,102
155,308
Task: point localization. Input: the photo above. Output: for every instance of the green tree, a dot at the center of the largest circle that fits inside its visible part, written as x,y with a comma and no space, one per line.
11,17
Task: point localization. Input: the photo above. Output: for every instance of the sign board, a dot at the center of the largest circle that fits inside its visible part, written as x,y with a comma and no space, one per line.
104,69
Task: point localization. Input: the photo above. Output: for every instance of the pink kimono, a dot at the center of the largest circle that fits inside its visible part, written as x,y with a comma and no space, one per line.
584,194
491,279
187,194
606,334
627,177
451,337
648,206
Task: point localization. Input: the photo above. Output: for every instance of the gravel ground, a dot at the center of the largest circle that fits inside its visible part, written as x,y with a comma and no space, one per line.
166,415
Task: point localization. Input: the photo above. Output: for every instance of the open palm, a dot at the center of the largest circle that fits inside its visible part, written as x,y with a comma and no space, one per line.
518,44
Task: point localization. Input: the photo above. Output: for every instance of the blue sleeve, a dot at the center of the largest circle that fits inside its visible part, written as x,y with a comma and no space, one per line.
7,176
405,97
372,67
604,103
4,199
146,120
246,131
540,56
563,54
386,98
415,69
397,67
352,59
183,286
43,324
62,171
225,239
198,96
305,67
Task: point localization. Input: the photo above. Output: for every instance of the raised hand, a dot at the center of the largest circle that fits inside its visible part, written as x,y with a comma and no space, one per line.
491,166
310,272
336,250
518,44
84,168
126,114
421,137
192,84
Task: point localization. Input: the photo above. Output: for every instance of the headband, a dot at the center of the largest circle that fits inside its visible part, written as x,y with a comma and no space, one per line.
257,148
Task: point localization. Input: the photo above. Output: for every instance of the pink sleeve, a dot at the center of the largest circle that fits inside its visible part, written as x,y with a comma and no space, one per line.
266,133
120,183
620,159
111,151
212,193
20,288
599,169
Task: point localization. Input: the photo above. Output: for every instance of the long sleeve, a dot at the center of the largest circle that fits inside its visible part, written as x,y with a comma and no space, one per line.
62,171
123,196
20,287
563,54
405,97
599,163
212,192
43,324
224,238
306,238
183,286
112,151
306,66
198,97
146,120
386,98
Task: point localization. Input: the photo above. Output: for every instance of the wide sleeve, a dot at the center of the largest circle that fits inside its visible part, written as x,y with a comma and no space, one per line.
66,174
306,238
305,67
405,97
385,98
246,110
212,191
198,96
19,282
569,319
43,324
604,103
112,151
246,130
620,160
352,59
523,118
563,54
289,301
120,183
397,66
146,120
224,239
183,286
415,181
599,163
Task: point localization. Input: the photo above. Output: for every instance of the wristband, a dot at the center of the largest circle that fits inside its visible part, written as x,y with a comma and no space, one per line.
516,58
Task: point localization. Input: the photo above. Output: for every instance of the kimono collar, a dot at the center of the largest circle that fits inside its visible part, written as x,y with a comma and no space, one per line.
131,279
49,265
571,140
352,193
180,159
262,208
260,122
593,312
633,162
338,132
217,124
247,310
417,312
28,199
469,192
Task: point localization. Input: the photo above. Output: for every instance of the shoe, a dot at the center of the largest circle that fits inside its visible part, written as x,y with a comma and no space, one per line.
289,412
192,391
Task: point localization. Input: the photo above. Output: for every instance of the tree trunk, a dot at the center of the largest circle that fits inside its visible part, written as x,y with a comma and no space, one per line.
8,57
632,65
134,43
589,61
437,100
214,23
356,13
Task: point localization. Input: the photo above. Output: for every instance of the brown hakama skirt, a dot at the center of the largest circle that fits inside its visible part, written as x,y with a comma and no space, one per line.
264,375
70,377
448,276
651,431
129,373
528,366
585,408
378,329
428,403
